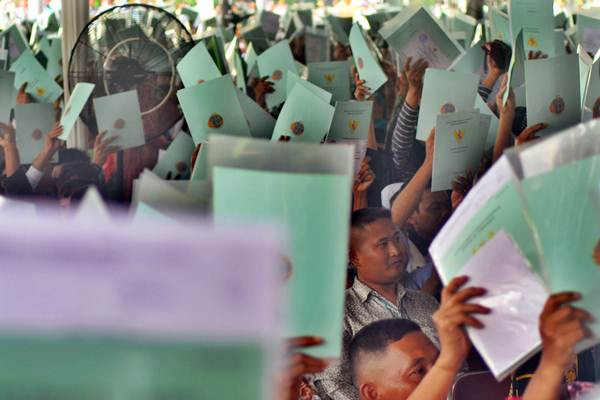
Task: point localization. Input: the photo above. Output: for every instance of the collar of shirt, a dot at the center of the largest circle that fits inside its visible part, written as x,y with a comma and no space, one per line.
364,292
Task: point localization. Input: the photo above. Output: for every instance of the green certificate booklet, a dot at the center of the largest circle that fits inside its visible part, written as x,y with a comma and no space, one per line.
75,105
33,121
351,120
119,115
536,19
459,145
7,95
213,107
275,63
315,259
553,92
333,76
367,66
444,92
494,204
40,84
417,34
197,66
305,117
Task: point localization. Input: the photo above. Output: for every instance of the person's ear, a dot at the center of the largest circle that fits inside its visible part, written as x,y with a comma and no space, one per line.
368,391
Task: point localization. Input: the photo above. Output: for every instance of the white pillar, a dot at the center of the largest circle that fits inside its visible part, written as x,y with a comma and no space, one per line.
75,15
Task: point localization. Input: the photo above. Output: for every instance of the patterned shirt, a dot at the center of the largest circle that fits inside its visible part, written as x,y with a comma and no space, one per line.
363,307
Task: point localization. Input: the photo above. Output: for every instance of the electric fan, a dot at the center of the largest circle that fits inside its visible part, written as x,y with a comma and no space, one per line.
133,47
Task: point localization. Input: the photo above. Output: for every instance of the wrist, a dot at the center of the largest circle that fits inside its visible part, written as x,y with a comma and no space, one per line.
449,363
490,79
549,369
413,99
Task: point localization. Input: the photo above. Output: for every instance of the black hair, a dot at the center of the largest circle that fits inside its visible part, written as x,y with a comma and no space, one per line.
72,155
366,216
375,337
76,177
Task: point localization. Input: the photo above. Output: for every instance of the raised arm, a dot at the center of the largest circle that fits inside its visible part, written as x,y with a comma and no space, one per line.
504,138
454,315
11,154
405,130
408,199
562,326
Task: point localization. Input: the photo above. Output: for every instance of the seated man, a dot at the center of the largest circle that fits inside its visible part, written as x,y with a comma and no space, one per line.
394,359
379,255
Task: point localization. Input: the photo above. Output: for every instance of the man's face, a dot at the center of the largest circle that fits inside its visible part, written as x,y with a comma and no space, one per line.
380,253
396,374
432,213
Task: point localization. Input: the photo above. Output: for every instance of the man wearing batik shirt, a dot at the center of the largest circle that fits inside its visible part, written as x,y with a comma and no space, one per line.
379,254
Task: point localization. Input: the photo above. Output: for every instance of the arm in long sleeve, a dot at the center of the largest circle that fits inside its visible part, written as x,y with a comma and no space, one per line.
484,92
403,139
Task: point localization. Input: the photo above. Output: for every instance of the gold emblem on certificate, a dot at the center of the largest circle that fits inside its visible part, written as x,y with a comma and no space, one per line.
119,124
215,121
277,75
37,135
297,128
448,108
557,106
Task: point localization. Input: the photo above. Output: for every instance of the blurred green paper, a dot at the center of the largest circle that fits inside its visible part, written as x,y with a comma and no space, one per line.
313,210
74,106
197,66
340,28
333,76
213,107
444,92
500,26
275,63
459,146
119,115
304,117
33,121
366,64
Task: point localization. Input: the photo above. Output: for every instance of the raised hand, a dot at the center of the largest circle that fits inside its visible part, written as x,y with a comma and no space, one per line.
51,141
365,178
261,87
8,136
529,134
454,314
22,96
414,75
103,147
298,365
506,110
536,55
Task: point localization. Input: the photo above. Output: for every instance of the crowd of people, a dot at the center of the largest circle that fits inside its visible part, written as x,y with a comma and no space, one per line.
404,333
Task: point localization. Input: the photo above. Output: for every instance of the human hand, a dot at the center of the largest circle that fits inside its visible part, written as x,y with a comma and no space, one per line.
414,74
536,55
365,178
506,109
22,96
298,365
8,138
562,326
530,132
362,92
261,87
451,319
429,149
102,148
51,141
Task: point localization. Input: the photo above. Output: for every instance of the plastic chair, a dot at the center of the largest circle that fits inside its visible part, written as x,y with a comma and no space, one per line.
478,386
